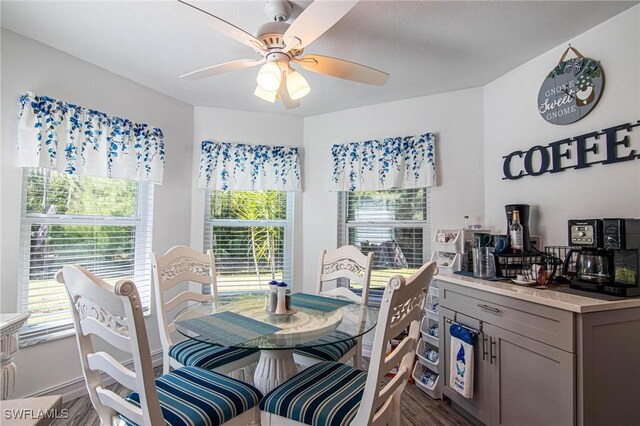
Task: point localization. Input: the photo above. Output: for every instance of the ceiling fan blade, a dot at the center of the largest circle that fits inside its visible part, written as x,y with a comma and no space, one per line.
230,30
222,68
342,69
283,94
314,21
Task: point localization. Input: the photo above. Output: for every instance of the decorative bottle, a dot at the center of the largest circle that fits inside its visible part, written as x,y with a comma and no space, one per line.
281,307
466,222
515,233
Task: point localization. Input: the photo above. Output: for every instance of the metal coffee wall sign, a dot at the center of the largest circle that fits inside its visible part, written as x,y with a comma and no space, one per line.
571,90
577,152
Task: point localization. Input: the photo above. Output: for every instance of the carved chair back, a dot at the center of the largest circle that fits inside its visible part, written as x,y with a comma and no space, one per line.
113,314
180,264
402,306
349,263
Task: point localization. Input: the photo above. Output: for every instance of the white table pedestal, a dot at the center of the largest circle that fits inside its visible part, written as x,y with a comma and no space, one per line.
274,368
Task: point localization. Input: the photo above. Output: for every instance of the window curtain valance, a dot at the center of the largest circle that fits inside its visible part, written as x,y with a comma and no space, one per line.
401,162
234,166
80,141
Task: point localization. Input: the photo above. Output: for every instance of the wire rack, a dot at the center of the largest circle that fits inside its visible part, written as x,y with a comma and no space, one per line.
561,252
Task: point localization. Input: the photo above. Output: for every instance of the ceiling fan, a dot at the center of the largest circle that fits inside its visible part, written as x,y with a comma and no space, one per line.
279,44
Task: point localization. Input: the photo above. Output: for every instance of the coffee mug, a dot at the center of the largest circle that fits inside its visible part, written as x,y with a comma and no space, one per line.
501,243
481,240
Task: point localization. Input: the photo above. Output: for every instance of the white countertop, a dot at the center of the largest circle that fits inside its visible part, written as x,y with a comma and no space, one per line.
566,299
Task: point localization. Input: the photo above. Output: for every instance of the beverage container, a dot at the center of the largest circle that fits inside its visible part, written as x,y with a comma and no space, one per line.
484,265
515,233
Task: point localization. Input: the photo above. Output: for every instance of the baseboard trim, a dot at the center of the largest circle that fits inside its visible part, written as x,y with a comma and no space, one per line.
77,388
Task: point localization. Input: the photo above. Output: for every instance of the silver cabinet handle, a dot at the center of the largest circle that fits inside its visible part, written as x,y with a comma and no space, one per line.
489,308
484,349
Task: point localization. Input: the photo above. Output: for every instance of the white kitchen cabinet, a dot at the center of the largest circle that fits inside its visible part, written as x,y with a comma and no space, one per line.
544,357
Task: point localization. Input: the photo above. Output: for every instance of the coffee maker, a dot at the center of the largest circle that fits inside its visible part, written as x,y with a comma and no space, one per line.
622,237
594,263
523,210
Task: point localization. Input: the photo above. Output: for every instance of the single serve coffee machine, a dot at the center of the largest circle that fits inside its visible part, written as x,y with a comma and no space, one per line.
622,237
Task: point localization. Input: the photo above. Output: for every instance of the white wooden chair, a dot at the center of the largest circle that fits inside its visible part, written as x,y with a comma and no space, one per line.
177,265
185,396
346,262
331,393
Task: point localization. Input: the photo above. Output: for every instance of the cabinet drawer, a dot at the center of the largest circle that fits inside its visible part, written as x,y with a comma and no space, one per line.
548,325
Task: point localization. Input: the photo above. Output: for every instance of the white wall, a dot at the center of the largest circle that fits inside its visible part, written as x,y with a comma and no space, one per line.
29,65
456,120
224,125
512,122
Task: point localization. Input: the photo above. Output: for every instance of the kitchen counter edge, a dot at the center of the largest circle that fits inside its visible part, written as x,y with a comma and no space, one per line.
568,302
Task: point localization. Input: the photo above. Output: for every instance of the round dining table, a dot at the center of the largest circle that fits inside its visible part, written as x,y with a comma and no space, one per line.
276,336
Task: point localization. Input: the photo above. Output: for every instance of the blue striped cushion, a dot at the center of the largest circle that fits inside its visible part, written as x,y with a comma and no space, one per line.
323,350
325,394
192,353
192,396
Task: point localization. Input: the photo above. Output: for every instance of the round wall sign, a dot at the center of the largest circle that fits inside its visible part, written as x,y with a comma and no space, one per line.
570,91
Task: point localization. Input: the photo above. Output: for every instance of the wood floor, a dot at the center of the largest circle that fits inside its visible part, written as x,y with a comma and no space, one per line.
417,409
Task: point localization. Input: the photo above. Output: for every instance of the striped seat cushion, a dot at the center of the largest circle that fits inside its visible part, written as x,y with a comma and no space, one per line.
192,353
323,350
325,394
192,396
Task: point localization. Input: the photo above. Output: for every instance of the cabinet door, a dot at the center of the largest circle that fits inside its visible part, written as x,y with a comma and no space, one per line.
480,405
532,383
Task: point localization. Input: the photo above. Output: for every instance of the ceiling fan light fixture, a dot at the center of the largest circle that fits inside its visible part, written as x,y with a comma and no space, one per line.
265,95
297,85
269,77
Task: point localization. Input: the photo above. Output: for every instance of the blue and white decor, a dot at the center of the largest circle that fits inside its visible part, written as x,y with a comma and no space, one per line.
234,166
401,162
80,141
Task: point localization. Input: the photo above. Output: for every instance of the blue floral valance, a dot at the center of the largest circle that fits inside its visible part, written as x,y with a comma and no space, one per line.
76,140
233,166
402,162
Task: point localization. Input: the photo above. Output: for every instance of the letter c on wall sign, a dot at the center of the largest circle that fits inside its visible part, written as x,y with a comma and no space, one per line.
506,166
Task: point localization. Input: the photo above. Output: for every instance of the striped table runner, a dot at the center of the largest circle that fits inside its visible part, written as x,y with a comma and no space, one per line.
228,328
317,303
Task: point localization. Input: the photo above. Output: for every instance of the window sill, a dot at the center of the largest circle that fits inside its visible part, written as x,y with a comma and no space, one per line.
37,337
32,339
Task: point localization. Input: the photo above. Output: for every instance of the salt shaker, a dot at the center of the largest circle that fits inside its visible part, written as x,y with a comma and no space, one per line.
273,296
281,307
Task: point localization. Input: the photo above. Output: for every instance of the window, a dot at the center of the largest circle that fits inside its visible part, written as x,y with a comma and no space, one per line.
102,224
393,224
250,233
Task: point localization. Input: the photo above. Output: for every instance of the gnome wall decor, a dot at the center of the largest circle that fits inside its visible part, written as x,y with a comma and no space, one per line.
571,90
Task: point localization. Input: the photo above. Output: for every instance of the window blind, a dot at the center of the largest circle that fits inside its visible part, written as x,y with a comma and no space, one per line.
250,233
103,225
393,224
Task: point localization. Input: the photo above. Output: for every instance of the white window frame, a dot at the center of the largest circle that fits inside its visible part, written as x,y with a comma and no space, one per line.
143,222
287,224
344,225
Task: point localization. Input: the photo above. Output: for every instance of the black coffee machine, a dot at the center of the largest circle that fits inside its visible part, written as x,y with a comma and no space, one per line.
608,255
622,237
523,210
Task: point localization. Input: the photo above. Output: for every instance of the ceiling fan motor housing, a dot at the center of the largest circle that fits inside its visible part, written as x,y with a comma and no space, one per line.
271,35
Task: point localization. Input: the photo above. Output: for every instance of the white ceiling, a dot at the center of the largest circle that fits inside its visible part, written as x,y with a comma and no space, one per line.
428,47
